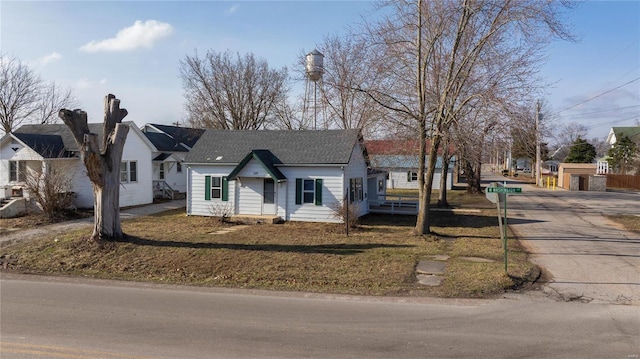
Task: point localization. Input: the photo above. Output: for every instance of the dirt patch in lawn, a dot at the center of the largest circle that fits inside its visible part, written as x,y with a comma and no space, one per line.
378,258
629,222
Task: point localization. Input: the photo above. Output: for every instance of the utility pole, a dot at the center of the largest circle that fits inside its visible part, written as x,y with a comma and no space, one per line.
538,118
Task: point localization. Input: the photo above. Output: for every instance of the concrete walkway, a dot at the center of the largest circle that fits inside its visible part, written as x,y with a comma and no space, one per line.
30,233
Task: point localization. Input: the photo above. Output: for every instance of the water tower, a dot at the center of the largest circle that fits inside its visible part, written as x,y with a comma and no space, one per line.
314,68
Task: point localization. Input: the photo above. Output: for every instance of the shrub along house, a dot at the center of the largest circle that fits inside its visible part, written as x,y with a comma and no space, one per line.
293,175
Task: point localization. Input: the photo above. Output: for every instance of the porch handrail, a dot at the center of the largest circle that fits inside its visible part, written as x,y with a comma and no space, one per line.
164,187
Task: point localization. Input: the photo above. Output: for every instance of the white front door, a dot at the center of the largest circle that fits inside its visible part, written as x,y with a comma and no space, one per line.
268,196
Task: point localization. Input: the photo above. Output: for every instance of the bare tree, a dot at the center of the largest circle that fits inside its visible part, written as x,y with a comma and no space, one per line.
430,52
103,164
227,91
52,99
345,70
25,97
19,93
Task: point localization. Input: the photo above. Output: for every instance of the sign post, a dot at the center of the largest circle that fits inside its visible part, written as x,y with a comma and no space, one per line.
502,192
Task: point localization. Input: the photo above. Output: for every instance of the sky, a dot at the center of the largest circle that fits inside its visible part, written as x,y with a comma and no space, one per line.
133,49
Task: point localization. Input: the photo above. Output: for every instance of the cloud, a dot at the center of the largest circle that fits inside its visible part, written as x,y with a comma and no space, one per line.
47,59
232,9
140,35
85,83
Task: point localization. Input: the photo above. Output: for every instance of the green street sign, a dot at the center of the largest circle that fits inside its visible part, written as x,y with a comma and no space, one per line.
504,189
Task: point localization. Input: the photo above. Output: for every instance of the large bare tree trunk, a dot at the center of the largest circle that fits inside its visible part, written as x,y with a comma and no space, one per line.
102,163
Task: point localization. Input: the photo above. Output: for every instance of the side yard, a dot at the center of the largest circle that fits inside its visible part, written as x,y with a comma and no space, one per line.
378,258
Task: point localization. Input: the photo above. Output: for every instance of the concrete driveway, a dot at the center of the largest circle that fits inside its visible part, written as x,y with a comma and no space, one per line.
585,256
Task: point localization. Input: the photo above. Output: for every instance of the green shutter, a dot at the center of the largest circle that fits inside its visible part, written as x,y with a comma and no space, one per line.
207,188
319,192
298,190
409,176
225,189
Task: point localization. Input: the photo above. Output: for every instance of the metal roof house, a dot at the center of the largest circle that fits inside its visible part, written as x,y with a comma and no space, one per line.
294,175
399,158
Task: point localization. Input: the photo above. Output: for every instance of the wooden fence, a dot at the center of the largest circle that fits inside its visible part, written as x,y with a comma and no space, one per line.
623,181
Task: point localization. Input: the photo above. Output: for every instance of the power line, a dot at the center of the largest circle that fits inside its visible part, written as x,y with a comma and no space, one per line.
599,95
613,121
600,111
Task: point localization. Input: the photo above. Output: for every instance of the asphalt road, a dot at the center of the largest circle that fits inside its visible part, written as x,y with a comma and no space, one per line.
73,318
587,257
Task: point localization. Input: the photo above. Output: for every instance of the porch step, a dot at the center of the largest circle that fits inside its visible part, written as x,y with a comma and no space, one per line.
255,219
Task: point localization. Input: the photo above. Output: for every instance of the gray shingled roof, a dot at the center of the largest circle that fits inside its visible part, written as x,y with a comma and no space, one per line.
186,135
290,147
47,146
164,142
58,129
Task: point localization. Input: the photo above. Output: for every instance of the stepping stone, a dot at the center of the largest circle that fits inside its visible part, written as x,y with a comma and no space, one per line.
430,280
477,259
430,267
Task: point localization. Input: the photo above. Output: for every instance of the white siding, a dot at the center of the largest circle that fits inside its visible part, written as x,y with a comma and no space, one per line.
141,191
357,168
398,179
196,202
176,180
248,189
331,194
249,199
253,169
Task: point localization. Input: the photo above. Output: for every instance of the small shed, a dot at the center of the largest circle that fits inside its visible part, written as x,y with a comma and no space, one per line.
575,176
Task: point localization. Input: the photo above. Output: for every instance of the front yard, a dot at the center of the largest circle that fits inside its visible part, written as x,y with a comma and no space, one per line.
378,258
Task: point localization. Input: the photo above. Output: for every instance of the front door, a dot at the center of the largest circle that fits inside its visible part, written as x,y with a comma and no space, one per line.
268,197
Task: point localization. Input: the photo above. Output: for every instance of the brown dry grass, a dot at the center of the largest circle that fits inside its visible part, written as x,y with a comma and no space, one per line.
629,222
378,258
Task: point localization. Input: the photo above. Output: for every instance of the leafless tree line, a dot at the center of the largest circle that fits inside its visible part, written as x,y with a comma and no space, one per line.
26,98
456,74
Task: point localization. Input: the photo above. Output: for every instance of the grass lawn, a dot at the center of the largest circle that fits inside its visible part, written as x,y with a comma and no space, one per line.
378,258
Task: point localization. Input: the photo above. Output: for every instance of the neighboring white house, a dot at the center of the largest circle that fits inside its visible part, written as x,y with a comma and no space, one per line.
399,158
39,148
295,175
632,132
171,145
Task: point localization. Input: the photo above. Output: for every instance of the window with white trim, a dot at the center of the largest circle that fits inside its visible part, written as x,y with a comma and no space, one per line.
17,171
309,191
128,171
161,170
356,190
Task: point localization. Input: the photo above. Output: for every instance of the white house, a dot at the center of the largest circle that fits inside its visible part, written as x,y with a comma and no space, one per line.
399,158
40,148
295,175
171,145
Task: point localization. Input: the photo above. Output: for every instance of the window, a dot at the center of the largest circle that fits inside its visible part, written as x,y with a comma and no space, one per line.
380,186
178,167
128,171
355,189
412,176
216,187
309,191
17,171
162,170
133,171
269,192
